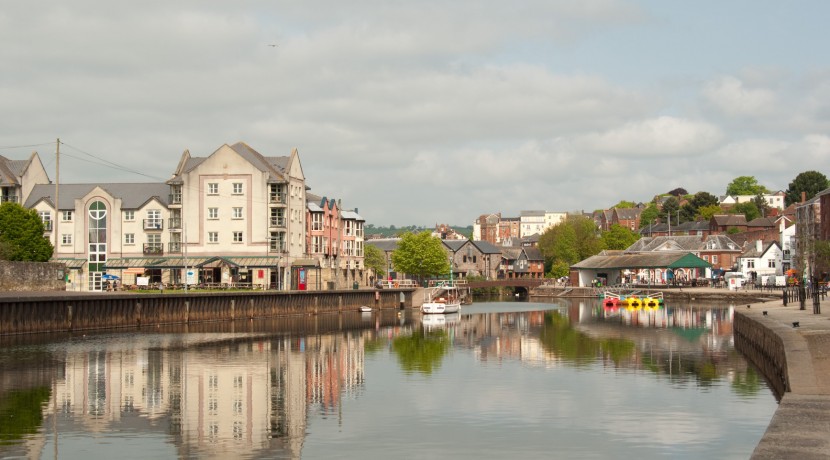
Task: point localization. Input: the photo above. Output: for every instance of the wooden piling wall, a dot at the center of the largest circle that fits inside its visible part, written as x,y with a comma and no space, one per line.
63,313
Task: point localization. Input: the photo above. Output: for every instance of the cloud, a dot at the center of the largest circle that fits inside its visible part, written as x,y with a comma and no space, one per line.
661,136
734,98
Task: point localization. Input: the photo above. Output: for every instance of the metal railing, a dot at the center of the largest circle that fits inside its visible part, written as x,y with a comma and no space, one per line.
155,249
174,247
174,223
276,222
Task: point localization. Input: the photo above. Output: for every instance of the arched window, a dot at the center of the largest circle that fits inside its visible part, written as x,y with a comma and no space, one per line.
97,258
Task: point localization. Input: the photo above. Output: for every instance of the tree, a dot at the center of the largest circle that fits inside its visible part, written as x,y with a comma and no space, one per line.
375,260
691,210
707,212
748,209
669,211
618,237
21,235
625,205
649,214
574,239
420,255
745,185
680,191
761,204
809,182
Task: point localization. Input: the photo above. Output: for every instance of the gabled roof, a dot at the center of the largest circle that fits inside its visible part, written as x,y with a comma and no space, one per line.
690,243
655,260
486,247
752,251
761,222
384,244
133,196
351,215
628,213
273,166
729,219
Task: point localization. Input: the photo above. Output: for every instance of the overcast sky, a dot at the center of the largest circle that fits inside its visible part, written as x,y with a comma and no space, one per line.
427,111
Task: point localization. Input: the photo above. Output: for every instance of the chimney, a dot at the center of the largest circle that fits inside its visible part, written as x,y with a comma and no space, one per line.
803,197
759,246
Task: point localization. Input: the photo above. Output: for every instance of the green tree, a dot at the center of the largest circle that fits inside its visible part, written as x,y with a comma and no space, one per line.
420,255
761,204
706,212
625,205
745,185
669,211
691,210
748,209
618,237
649,214
809,182
21,234
570,241
375,260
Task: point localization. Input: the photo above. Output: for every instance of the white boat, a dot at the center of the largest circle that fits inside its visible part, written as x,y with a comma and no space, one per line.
365,309
441,298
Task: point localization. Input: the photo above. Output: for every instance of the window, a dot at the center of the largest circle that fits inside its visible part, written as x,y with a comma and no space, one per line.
237,237
771,263
316,221
750,263
153,219
66,216
237,213
213,237
714,259
66,238
316,244
237,188
129,216
213,213
213,188
129,238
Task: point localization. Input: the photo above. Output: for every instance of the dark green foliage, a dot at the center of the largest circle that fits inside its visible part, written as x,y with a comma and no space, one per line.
649,215
810,182
748,209
21,235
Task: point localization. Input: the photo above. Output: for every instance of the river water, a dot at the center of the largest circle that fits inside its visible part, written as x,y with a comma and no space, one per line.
500,380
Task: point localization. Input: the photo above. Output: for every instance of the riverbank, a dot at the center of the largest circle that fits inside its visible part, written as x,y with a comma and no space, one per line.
800,427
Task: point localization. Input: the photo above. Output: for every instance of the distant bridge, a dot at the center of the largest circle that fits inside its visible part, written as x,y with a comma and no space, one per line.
526,283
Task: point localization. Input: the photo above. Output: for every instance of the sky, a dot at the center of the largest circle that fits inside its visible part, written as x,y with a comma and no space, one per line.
425,112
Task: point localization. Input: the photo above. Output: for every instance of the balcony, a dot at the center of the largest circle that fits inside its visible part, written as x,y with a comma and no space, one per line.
276,198
174,247
47,225
153,249
8,199
174,223
276,246
153,224
276,222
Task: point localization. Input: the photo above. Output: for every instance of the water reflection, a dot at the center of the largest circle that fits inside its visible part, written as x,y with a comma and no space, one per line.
250,389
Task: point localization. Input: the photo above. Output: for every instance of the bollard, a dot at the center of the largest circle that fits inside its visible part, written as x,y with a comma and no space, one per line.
784,293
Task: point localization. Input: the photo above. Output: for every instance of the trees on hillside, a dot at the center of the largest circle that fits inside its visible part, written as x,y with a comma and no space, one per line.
618,237
421,255
809,182
691,210
745,185
649,214
21,235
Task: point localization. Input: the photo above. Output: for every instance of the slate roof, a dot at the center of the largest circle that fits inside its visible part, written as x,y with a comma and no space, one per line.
653,260
385,245
690,243
761,222
486,247
132,196
729,219
628,213
752,250
274,166
351,215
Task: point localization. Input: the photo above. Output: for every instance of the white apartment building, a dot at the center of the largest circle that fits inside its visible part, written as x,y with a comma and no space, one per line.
234,217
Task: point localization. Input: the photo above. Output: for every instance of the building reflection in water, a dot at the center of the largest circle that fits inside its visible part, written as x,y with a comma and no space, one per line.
251,394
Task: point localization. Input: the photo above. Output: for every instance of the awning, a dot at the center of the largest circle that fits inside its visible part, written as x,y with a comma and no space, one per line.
133,271
304,263
132,262
72,264
254,262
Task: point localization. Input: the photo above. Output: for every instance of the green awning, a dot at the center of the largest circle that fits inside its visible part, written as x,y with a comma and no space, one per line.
254,262
72,264
133,262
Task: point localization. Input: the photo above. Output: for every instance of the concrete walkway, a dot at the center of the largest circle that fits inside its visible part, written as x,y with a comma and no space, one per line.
800,428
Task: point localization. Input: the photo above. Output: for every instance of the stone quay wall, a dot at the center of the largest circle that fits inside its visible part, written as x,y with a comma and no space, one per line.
40,313
32,276
765,349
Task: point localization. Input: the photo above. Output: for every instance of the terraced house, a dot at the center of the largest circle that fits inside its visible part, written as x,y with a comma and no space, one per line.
232,218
